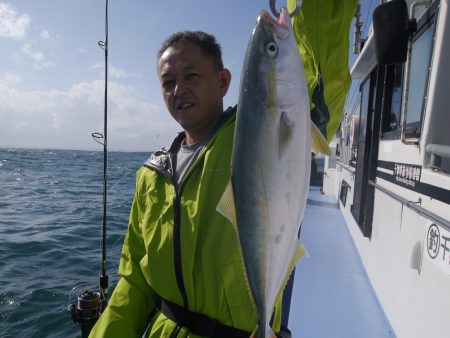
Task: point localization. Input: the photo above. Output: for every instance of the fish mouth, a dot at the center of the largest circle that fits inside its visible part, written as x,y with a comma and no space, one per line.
280,26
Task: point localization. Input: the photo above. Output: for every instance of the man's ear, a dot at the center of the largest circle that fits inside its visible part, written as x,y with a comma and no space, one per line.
225,80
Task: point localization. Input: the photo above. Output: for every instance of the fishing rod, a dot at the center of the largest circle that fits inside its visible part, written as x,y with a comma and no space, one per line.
91,304
104,276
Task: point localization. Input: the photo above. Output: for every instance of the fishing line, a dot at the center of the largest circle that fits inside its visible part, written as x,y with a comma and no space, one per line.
356,105
355,90
353,103
127,172
115,244
95,200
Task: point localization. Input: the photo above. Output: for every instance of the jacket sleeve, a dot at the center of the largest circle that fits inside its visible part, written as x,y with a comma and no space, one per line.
133,300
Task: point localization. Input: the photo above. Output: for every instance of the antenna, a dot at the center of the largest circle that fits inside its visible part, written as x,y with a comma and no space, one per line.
357,36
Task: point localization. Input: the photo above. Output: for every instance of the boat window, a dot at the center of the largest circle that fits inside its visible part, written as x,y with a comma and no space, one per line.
392,102
345,142
437,137
365,95
354,132
345,187
358,122
418,79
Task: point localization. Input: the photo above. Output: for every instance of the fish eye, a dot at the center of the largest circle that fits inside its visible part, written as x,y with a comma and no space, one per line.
271,49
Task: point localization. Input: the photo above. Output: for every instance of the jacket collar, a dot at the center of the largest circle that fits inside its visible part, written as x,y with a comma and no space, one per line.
161,159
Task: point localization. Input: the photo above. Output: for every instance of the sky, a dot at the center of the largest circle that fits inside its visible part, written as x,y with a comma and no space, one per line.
52,69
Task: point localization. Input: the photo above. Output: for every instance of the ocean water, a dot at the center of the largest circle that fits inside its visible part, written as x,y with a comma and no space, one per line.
50,233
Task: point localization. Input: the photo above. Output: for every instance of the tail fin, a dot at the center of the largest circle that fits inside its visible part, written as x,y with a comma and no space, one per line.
319,144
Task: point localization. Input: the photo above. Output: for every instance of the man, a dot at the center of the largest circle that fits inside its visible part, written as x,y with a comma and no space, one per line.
181,270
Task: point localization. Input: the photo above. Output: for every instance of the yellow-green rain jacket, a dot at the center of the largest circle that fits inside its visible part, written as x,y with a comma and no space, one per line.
322,33
207,251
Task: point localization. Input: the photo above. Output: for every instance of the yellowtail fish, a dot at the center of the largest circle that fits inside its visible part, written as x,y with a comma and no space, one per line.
271,162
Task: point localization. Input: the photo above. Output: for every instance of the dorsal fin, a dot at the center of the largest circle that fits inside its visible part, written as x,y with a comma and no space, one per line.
318,142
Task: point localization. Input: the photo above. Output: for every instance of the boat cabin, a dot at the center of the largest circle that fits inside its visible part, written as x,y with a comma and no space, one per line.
390,168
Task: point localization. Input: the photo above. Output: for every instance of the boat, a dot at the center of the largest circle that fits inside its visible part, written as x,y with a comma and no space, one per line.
390,167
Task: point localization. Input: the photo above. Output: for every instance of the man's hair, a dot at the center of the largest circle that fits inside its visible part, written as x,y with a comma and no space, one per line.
206,42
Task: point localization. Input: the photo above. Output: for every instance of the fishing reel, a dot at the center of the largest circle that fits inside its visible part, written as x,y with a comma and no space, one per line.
88,308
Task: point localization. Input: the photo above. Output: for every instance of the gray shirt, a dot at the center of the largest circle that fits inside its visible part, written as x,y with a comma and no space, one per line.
188,153
186,156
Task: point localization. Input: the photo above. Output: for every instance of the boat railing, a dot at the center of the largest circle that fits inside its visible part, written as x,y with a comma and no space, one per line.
413,206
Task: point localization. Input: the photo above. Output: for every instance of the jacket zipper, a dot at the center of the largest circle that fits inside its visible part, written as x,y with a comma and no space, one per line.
177,226
177,248
177,229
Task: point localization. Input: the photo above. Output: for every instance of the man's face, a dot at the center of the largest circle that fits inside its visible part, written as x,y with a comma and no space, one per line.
192,88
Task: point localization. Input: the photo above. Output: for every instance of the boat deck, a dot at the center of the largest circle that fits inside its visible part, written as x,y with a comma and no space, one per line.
332,296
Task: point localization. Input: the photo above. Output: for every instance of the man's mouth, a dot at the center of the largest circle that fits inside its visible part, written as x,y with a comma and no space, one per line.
184,105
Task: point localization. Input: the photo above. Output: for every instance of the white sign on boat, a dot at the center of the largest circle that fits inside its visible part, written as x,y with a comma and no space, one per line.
438,247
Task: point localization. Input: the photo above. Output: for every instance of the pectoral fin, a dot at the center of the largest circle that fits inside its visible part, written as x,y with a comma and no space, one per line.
300,252
226,204
318,142
285,135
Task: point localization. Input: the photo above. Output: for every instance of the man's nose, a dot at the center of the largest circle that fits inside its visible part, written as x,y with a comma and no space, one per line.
180,88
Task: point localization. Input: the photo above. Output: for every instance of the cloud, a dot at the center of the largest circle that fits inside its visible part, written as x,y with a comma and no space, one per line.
12,25
44,65
49,37
65,119
45,34
39,59
10,79
116,73
36,56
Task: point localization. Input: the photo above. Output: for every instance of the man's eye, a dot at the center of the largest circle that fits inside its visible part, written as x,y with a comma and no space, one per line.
191,76
168,84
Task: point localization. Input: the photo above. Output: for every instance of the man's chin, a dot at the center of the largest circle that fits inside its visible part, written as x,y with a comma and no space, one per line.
185,122
184,116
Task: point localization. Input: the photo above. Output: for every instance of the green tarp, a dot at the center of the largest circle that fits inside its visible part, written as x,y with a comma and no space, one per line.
322,33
